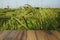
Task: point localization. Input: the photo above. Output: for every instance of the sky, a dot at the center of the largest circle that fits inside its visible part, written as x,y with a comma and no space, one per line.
34,3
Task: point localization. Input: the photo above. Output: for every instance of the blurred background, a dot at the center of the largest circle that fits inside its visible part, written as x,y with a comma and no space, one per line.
34,3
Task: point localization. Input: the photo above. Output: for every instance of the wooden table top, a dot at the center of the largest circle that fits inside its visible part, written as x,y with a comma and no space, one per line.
29,35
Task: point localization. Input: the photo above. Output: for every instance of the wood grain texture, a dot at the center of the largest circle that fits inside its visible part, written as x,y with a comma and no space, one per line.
29,35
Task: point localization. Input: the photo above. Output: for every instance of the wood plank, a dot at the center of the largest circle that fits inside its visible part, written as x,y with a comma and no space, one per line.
12,35
31,35
21,35
56,33
51,36
4,34
41,35
25,35
1,31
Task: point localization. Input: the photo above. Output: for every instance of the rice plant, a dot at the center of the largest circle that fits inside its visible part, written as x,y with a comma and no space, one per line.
30,18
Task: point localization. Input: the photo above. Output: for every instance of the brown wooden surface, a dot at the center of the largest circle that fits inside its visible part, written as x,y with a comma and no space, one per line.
29,35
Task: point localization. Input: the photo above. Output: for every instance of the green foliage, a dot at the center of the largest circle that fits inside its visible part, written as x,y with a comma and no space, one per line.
28,17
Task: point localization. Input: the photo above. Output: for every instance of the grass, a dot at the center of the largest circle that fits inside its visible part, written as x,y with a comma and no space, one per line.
30,18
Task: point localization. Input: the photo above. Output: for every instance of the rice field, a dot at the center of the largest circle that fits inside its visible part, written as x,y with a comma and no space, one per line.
30,18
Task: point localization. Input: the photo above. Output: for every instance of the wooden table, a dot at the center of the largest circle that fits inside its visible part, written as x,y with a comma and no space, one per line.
29,35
